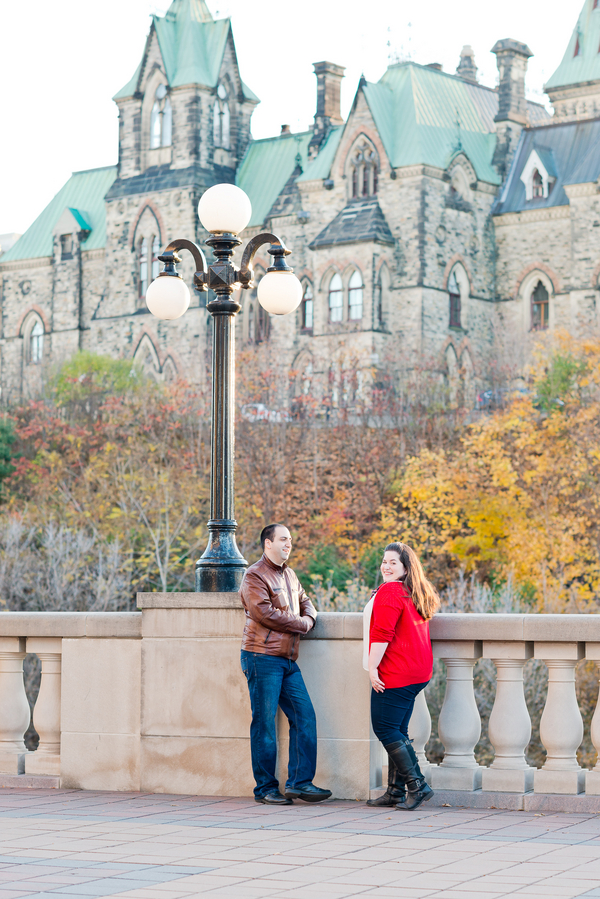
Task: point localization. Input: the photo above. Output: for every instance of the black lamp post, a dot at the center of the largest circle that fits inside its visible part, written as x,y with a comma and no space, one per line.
224,210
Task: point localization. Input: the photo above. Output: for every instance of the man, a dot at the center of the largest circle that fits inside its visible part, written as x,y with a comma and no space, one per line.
277,613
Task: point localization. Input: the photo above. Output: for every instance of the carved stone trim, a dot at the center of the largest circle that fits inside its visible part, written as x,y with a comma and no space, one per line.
26,264
532,215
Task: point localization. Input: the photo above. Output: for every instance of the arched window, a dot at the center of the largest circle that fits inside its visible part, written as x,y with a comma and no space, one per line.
161,119
308,308
364,166
537,184
263,324
143,268
454,292
35,349
155,262
355,297
336,299
540,308
221,119
379,302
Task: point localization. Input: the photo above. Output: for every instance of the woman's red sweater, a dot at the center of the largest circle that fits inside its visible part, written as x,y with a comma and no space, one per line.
408,658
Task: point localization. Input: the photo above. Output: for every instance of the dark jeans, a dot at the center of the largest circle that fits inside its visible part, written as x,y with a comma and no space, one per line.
274,681
391,711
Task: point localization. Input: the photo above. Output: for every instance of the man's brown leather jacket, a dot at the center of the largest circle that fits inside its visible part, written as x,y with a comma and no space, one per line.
277,610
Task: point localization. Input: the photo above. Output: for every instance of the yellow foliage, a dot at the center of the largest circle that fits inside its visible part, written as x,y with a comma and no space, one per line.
520,496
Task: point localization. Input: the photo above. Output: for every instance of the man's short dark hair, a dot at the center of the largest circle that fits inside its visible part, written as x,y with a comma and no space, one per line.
268,533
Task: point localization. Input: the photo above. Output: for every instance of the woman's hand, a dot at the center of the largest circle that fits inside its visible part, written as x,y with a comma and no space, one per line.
376,682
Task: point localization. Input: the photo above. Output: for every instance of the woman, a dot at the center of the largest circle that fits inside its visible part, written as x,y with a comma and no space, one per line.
400,663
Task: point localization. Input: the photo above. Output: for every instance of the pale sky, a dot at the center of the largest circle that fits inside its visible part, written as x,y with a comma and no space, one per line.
61,62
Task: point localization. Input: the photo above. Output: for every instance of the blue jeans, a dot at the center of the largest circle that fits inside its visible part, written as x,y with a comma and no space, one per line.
274,681
391,711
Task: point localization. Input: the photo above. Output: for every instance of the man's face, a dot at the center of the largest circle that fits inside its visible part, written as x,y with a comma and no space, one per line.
279,548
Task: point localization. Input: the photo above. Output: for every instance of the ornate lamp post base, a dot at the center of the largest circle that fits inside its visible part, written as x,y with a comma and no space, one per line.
222,566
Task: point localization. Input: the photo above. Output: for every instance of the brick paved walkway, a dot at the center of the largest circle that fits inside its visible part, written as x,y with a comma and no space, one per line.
80,845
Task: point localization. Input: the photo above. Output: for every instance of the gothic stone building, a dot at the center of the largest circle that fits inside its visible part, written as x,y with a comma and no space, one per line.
438,213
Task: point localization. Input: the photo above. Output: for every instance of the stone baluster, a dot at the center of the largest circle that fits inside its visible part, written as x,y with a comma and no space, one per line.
561,727
510,724
14,708
419,731
592,778
459,723
46,712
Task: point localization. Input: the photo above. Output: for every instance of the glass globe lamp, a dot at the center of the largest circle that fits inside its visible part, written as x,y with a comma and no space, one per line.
224,208
279,292
168,297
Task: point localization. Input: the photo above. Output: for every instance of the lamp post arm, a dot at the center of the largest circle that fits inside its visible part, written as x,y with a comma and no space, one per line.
171,256
277,249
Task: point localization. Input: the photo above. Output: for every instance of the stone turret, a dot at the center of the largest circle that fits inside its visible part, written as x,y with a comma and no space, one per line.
466,69
511,57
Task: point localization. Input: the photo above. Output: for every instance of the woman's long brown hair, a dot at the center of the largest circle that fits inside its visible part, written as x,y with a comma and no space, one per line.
424,595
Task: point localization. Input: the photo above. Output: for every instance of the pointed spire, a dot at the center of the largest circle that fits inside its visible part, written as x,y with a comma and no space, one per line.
574,88
188,11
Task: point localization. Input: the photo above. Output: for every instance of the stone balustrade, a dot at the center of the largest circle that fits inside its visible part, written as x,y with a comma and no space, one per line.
155,700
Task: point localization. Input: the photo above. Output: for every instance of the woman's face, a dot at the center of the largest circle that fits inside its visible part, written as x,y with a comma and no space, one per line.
392,568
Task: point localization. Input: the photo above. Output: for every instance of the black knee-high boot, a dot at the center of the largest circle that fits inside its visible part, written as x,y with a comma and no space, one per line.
407,765
396,791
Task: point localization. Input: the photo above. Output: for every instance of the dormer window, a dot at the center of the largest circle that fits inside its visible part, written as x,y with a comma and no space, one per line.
161,119
364,171
222,119
539,174
66,246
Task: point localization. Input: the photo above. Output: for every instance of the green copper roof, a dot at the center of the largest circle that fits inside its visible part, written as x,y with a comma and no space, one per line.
192,45
581,62
321,166
84,195
425,117
267,166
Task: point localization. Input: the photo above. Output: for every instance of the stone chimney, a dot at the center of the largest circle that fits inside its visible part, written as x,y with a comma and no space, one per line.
512,117
466,69
329,80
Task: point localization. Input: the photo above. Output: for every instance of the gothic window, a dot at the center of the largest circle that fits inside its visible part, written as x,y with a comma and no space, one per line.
161,119
259,321
308,308
379,302
35,348
263,325
221,119
540,307
364,166
537,184
336,299
143,268
454,292
155,262
355,297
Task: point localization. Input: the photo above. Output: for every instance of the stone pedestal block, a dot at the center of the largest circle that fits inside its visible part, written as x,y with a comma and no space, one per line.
507,781
592,782
553,781
42,763
12,762
456,778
